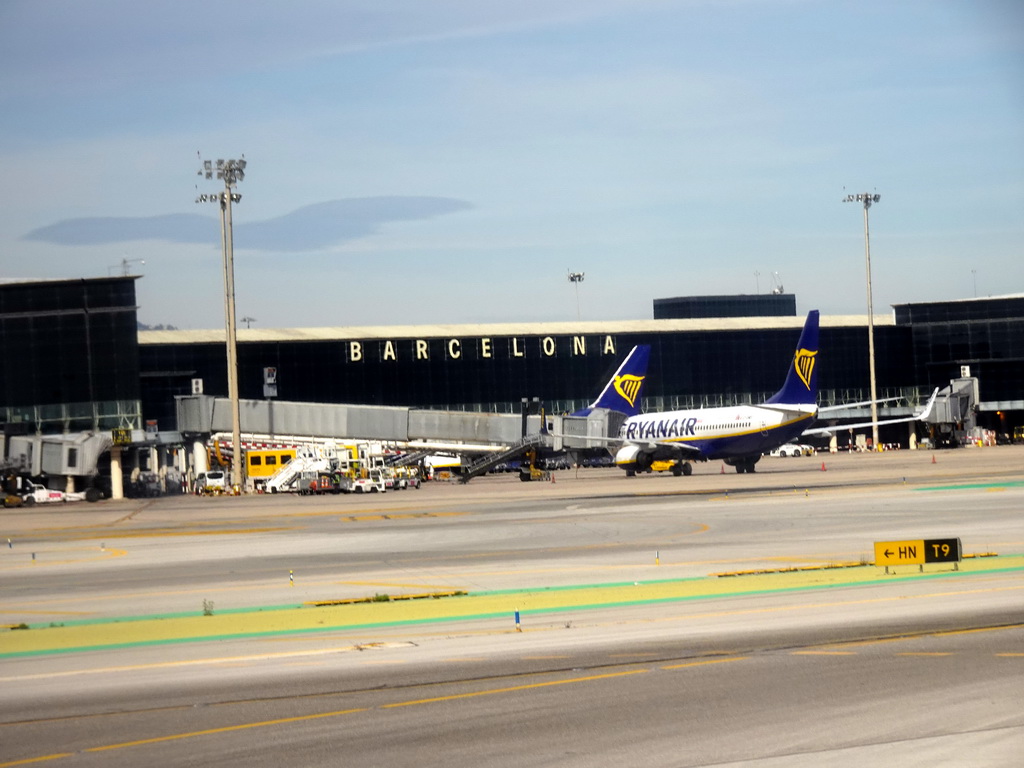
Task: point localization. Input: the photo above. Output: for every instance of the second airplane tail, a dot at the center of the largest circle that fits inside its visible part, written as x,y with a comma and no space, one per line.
801,385
623,390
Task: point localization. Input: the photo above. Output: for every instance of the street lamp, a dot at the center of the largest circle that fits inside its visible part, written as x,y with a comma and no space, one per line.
125,269
867,200
248,321
231,172
576,278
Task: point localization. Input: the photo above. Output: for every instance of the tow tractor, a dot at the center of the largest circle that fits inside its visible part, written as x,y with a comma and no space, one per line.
527,470
33,493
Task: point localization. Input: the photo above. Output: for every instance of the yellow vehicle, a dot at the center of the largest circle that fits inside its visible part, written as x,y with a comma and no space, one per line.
674,466
262,463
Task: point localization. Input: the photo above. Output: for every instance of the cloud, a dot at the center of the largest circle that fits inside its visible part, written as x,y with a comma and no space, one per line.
311,228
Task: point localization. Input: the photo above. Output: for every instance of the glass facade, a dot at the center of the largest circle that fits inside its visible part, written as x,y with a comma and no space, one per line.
758,305
985,334
74,359
694,367
70,352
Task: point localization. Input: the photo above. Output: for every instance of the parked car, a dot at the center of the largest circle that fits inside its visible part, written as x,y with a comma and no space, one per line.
788,449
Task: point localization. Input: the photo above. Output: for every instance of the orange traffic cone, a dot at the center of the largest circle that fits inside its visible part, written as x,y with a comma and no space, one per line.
723,470
933,458
823,466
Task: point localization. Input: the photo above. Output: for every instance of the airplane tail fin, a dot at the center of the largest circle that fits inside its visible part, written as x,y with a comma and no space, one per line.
622,392
802,380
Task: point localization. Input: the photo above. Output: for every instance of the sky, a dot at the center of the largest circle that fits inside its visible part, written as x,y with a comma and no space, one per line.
451,161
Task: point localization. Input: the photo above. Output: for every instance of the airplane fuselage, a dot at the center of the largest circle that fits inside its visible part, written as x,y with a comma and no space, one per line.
718,433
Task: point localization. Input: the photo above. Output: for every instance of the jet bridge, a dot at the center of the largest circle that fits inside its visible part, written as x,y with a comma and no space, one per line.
953,416
202,415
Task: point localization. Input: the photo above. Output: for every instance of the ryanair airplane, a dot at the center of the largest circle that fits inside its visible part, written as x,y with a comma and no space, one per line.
736,434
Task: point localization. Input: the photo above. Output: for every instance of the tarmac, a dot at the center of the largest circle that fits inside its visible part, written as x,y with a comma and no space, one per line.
965,468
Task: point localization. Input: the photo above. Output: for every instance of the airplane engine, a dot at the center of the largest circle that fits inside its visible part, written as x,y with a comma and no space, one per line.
626,457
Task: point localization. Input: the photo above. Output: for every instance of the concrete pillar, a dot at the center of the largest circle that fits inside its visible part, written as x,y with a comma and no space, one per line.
160,456
69,484
136,470
833,444
116,477
199,457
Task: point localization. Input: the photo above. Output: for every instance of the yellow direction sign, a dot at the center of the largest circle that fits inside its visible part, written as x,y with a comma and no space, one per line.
899,552
917,552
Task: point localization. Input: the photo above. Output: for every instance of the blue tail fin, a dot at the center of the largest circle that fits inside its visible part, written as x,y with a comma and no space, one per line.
801,385
622,392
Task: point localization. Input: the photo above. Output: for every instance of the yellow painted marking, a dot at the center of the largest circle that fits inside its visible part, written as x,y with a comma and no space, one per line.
155,533
540,658
224,661
42,759
704,662
511,689
350,518
1010,655
224,729
824,653
924,653
949,632
43,557
629,655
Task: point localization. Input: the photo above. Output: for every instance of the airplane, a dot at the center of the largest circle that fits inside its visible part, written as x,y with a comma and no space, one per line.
736,434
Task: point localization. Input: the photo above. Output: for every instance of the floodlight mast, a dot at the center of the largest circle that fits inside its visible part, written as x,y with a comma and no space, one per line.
867,199
231,172
576,278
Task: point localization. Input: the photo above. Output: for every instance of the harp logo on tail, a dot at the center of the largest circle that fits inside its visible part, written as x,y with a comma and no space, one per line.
803,363
628,386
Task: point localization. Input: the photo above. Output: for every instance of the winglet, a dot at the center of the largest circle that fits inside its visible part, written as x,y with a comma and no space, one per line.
926,411
801,385
622,392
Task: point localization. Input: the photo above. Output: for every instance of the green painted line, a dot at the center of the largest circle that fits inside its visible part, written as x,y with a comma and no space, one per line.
973,486
258,623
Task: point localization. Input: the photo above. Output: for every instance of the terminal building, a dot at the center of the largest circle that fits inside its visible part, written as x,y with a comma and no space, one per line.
76,364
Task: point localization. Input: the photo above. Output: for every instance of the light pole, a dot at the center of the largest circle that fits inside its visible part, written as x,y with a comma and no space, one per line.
125,269
576,278
248,321
867,200
231,172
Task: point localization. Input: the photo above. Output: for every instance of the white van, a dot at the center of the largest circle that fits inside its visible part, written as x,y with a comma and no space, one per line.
214,481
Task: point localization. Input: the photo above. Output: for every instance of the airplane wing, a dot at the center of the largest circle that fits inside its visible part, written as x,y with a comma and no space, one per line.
844,406
919,416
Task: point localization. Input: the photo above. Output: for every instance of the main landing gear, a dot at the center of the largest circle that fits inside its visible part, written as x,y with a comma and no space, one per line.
746,464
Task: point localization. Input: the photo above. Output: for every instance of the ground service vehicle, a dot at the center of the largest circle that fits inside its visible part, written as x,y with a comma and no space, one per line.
262,463
33,493
212,483
372,483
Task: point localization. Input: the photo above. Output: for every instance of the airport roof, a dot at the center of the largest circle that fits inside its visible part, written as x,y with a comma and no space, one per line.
470,330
